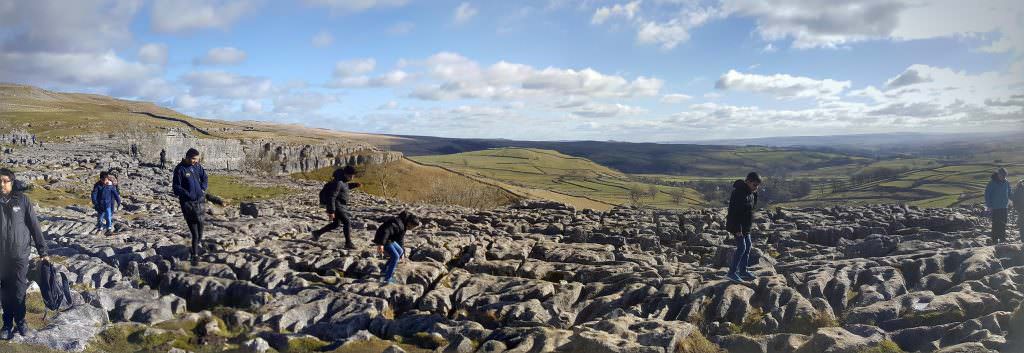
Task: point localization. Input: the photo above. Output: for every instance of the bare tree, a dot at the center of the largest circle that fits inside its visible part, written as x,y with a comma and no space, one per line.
678,195
636,195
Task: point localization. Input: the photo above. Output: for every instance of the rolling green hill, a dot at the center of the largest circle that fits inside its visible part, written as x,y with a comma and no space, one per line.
544,171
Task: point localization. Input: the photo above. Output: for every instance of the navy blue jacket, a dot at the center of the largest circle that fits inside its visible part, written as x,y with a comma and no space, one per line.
189,182
104,196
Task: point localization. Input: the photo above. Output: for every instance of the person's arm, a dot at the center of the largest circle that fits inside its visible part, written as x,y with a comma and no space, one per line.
203,182
33,228
354,185
338,184
117,197
988,196
95,190
179,191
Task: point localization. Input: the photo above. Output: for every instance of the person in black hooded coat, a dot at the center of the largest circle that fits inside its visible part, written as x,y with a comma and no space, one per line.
19,230
739,222
337,206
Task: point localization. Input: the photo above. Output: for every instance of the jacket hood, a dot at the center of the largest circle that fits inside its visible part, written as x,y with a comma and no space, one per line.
740,184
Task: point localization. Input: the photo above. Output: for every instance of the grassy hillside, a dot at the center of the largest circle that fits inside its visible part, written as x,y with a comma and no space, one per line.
552,172
413,183
931,186
54,115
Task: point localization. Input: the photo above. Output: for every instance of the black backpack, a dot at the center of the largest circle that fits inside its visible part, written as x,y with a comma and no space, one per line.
326,192
54,286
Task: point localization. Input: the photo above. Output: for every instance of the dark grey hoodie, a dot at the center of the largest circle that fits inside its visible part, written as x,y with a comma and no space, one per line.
19,228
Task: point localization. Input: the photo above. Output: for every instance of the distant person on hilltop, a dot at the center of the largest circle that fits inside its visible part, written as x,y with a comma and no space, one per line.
19,227
189,184
997,201
334,197
390,238
739,222
104,197
163,158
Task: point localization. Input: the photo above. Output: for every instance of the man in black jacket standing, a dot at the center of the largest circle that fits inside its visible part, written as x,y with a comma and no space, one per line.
739,221
19,228
189,184
336,203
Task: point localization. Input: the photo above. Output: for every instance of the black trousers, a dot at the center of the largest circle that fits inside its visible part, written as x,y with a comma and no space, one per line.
13,283
999,216
341,219
194,214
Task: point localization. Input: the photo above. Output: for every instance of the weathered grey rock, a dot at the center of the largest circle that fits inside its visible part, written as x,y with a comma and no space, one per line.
70,330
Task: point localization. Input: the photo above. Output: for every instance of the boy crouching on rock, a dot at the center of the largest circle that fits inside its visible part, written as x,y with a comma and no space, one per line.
389,238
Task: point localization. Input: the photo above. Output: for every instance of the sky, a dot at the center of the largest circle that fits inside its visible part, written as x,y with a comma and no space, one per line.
641,71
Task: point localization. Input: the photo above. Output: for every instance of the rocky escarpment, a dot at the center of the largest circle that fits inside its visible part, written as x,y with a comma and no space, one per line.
536,277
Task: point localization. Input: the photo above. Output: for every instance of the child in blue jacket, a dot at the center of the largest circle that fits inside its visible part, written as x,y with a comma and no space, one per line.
105,199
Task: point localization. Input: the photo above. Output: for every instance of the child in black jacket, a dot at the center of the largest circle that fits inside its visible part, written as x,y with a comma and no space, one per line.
739,221
390,237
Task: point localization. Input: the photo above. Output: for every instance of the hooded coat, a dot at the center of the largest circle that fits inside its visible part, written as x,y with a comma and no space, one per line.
742,202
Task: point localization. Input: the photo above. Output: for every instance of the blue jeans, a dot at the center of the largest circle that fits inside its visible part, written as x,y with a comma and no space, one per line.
395,252
107,216
742,255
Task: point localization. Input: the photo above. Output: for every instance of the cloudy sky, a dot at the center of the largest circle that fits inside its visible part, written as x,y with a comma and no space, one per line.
644,70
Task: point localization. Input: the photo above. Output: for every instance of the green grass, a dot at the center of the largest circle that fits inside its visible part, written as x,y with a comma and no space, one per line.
46,195
236,189
535,169
886,346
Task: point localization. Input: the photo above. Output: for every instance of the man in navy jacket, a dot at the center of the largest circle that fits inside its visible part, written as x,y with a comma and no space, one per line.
19,230
189,184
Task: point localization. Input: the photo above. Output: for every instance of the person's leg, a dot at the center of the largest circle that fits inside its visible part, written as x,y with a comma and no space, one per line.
20,285
343,218
737,256
327,228
6,294
393,255
999,225
745,258
99,219
110,219
1020,224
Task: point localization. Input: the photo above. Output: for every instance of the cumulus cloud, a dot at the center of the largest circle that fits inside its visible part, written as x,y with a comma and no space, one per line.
176,16
221,56
909,77
819,23
252,106
675,98
462,78
782,86
153,54
354,67
220,84
300,103
66,26
627,11
600,110
353,6
322,39
463,13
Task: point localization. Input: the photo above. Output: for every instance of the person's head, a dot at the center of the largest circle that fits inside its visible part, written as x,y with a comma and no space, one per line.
6,181
410,220
104,175
192,156
753,181
339,174
1002,173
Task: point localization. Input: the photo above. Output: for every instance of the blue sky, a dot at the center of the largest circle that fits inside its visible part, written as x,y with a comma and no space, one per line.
644,70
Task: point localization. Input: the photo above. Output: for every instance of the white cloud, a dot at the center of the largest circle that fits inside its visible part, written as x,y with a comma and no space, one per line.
219,84
462,78
909,77
627,11
952,18
819,23
66,26
388,106
186,101
175,16
252,106
600,110
675,98
222,56
105,71
668,34
353,6
782,86
322,39
463,13
301,103
153,54
350,68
